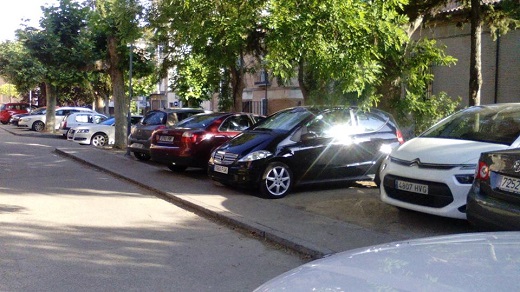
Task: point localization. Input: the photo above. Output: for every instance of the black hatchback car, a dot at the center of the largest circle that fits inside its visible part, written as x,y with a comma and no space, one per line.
494,198
304,145
140,136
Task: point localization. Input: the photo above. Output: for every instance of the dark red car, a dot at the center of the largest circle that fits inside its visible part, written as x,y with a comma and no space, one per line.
190,142
12,108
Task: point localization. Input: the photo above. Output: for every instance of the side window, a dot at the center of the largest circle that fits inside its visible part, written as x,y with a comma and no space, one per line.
235,123
331,124
82,118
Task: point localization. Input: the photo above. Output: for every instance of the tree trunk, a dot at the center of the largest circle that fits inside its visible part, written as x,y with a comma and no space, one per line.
301,81
475,73
238,85
118,93
50,115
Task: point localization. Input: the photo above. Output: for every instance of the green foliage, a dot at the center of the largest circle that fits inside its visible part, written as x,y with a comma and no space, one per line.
9,90
332,42
18,67
422,112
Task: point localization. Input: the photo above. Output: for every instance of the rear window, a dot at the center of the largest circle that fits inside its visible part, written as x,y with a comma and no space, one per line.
198,121
154,118
499,125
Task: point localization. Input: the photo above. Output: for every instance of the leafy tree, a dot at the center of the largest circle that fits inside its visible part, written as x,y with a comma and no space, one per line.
202,39
61,48
336,46
116,24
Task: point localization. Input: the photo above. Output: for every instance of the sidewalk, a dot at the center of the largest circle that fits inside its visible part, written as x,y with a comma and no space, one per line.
310,234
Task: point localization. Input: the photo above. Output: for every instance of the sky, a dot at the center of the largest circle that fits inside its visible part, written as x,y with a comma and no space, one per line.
14,11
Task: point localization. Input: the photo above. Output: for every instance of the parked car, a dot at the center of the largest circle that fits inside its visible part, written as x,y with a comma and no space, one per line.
12,108
494,198
304,145
37,111
141,134
433,172
75,119
459,262
98,135
37,122
191,141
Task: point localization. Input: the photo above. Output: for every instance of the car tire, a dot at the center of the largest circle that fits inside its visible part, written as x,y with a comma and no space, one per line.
99,140
5,123
142,156
177,168
38,126
276,181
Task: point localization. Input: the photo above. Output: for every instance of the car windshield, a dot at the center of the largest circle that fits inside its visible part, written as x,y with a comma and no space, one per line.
284,120
484,124
198,121
38,111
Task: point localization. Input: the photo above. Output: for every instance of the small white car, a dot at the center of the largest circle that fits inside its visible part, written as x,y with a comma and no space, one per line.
37,122
433,172
73,120
98,135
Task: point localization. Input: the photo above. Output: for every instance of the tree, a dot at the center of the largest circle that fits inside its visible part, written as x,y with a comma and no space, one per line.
208,38
336,46
116,24
61,48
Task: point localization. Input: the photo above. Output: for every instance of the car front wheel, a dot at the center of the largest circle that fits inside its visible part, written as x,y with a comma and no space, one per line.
99,140
38,126
276,181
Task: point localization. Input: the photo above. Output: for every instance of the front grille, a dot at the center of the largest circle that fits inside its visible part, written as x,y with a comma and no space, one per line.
439,194
225,158
418,163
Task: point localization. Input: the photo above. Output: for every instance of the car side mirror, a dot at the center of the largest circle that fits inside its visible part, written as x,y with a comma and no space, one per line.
308,136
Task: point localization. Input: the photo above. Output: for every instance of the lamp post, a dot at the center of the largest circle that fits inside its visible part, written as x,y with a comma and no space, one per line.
129,115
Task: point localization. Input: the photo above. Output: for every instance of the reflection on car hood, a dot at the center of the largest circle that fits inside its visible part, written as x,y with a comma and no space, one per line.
444,151
462,262
252,140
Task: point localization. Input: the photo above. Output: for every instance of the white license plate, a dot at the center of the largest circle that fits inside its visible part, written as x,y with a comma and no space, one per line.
166,138
221,169
509,184
411,187
136,145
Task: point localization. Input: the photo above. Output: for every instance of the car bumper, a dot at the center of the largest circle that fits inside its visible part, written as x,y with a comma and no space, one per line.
238,174
446,196
172,155
81,138
141,146
486,212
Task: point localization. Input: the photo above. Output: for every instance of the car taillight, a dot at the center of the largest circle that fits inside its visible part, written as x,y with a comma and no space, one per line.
482,171
190,137
399,136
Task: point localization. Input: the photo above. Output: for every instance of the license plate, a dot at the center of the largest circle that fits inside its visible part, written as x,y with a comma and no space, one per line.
510,184
221,169
166,138
136,145
411,187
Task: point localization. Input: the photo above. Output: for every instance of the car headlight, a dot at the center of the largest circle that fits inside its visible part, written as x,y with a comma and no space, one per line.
82,131
261,154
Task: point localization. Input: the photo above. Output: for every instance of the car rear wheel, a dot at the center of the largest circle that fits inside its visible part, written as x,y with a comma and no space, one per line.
276,181
99,140
4,122
177,168
142,156
38,126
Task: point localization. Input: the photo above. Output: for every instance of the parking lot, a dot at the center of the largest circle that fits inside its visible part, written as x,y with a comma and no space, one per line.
322,219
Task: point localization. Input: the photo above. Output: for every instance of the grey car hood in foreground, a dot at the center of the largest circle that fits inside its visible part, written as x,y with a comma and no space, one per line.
463,262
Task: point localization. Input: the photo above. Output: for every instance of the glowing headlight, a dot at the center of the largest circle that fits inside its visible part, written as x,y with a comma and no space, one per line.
82,131
256,156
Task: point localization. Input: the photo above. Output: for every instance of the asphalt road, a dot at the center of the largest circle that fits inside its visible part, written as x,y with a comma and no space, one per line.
68,227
